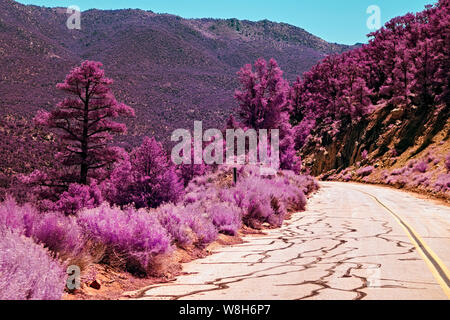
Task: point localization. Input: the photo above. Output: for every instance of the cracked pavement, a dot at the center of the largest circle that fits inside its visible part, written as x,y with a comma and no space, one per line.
345,246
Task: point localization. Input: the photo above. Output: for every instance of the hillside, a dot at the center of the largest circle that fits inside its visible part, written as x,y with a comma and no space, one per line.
381,113
171,70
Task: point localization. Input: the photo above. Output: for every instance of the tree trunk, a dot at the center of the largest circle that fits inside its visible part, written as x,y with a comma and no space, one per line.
84,143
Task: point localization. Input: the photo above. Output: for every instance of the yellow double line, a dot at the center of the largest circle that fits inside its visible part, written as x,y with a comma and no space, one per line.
435,264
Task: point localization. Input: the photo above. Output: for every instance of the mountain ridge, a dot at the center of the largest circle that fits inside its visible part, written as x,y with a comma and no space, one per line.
170,69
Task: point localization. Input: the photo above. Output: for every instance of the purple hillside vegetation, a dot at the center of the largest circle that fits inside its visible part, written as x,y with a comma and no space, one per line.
420,166
364,172
447,162
442,183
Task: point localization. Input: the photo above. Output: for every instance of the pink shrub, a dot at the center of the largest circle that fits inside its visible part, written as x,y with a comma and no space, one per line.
391,180
197,219
13,216
78,197
397,181
256,199
442,183
420,166
347,177
447,162
171,219
200,193
134,236
364,154
226,218
258,211
27,270
60,234
421,180
304,183
267,200
364,172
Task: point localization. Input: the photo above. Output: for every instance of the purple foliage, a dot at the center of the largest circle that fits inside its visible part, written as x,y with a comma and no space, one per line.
264,104
398,181
146,179
13,216
197,219
84,122
364,172
60,234
364,154
447,162
226,218
420,166
302,132
170,217
398,172
78,197
205,231
136,236
347,177
340,90
27,270
267,200
421,180
442,183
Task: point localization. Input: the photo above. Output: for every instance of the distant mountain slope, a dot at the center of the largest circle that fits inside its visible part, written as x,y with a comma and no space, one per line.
171,70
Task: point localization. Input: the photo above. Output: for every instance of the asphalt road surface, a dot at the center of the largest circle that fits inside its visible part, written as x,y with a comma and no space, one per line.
353,242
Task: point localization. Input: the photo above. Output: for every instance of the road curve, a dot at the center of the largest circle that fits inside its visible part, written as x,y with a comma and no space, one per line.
353,242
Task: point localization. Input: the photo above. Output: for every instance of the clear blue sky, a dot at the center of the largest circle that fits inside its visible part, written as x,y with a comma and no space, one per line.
341,21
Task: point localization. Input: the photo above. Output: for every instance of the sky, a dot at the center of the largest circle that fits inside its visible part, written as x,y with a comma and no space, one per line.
340,21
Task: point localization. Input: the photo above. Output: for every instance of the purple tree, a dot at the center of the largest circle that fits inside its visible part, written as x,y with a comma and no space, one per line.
146,178
264,104
263,96
84,121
